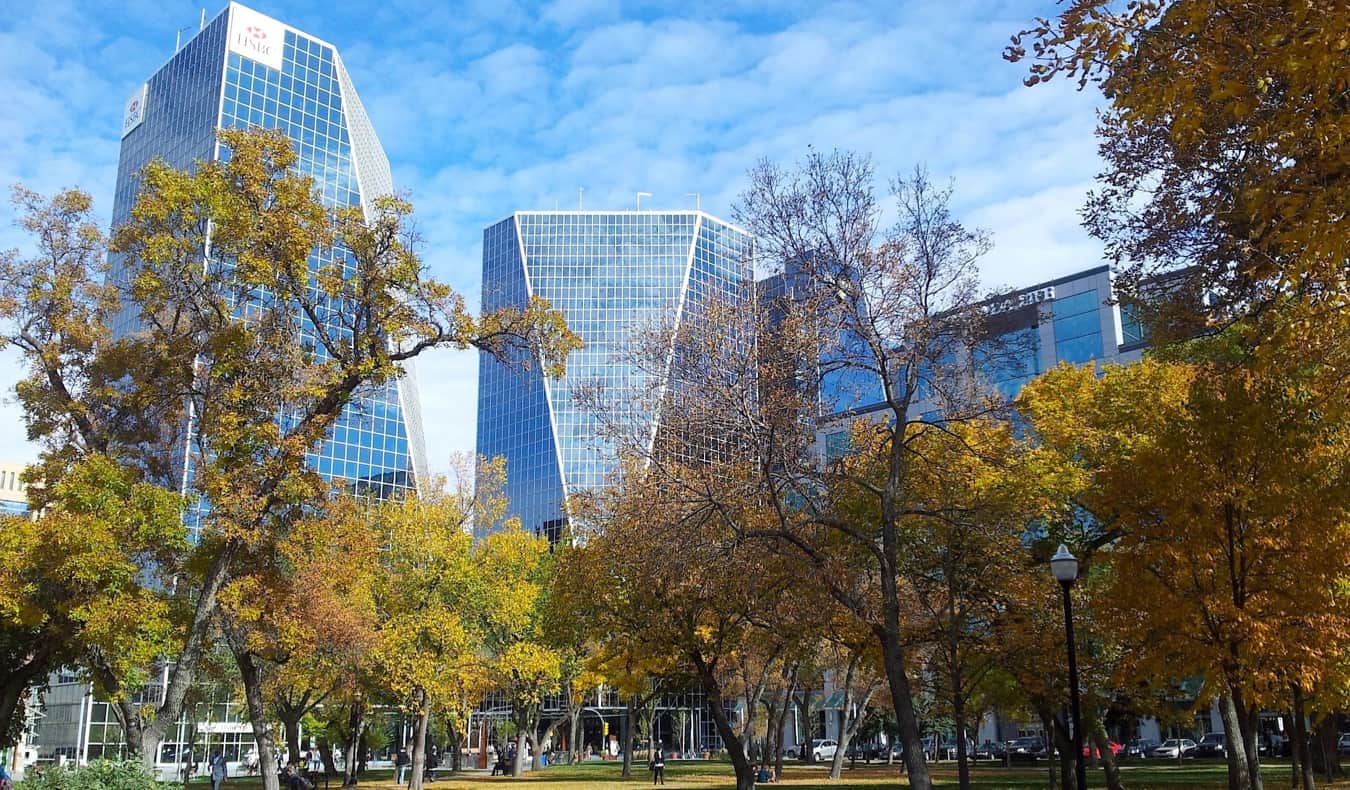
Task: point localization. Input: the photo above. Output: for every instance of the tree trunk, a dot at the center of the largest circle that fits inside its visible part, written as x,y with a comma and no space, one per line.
574,738
518,765
454,744
1048,725
771,738
782,721
1235,746
712,692
356,726
144,738
326,754
959,725
291,724
627,739
902,698
1247,720
18,680
1064,745
419,746
1326,756
1109,767
545,738
1302,754
251,676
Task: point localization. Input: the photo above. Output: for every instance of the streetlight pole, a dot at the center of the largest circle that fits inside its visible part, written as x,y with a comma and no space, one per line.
1065,568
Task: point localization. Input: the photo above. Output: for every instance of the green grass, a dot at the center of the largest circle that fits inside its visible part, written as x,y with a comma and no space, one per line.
717,775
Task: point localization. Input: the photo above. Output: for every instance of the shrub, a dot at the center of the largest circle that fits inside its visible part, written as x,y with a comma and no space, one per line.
97,775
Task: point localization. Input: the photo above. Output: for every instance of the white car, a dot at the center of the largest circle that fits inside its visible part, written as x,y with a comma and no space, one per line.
823,749
1171,746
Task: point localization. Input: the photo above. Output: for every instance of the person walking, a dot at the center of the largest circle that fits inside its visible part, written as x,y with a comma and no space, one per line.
402,761
219,770
658,766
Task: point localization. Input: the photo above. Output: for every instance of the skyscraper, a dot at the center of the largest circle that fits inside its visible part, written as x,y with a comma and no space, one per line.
245,69
611,273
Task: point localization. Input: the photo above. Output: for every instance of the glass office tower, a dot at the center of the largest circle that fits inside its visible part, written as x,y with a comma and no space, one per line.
610,273
245,69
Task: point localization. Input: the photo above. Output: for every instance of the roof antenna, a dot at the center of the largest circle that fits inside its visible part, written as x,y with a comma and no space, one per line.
178,38
581,193
202,24
698,200
642,195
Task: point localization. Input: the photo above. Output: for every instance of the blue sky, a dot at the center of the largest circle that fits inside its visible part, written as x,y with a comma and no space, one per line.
489,107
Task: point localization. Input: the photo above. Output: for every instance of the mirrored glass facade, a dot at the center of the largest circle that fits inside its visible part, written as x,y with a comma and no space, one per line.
1070,319
247,70
610,273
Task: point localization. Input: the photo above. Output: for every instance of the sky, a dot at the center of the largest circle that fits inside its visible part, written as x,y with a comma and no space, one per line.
486,107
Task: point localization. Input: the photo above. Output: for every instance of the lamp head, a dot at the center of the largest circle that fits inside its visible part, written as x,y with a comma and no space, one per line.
1064,565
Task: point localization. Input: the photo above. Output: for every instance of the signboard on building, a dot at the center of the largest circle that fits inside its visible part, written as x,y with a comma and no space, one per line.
134,112
256,36
1023,299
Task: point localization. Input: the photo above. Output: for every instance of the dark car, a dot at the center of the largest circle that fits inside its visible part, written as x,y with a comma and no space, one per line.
1025,748
866,752
1343,745
1140,747
1214,744
989,750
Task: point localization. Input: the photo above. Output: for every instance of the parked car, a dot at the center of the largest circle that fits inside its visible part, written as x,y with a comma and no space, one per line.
1212,745
1343,745
1026,747
946,749
866,751
1091,749
823,749
1140,747
1172,747
989,750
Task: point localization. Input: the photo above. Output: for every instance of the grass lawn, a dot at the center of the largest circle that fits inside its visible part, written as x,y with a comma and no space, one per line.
716,775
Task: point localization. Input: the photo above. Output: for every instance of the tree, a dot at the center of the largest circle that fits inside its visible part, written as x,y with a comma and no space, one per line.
1224,482
516,568
1225,158
891,314
983,491
263,392
430,602
71,582
668,576
297,617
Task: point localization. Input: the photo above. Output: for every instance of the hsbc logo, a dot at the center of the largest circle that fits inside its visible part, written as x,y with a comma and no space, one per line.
134,110
256,36
253,41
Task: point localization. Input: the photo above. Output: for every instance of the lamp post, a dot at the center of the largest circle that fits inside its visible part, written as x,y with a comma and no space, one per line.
1065,568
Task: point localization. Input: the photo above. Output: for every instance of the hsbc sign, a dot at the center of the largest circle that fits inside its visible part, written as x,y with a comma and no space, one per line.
256,36
134,112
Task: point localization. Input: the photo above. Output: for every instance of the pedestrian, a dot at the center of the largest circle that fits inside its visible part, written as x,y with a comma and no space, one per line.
5,781
500,765
402,762
315,761
658,766
433,762
219,770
